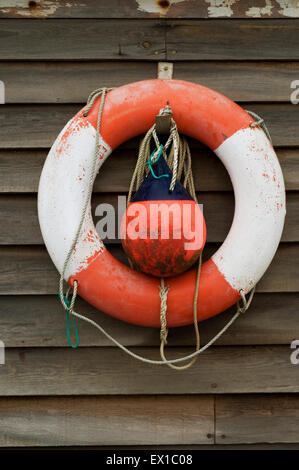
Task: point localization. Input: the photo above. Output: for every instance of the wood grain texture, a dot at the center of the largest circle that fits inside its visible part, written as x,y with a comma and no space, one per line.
21,169
244,40
145,420
38,321
71,82
22,226
148,9
29,270
89,39
83,421
254,419
39,125
108,371
149,39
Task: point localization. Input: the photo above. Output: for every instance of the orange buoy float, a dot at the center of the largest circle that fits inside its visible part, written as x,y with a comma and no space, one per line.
170,232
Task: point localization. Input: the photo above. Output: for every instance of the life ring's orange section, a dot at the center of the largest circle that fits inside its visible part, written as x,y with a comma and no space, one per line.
199,112
134,297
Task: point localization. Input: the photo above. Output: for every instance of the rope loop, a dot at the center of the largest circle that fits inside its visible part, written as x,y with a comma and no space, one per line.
153,159
163,322
69,310
245,303
93,96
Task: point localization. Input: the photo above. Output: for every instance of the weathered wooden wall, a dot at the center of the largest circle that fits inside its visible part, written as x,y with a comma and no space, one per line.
244,390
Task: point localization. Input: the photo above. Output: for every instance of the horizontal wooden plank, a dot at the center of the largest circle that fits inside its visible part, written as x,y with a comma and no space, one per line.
22,226
30,126
89,39
150,39
68,82
71,82
108,371
245,40
29,270
38,321
82,421
21,169
33,126
242,81
254,419
148,9
168,447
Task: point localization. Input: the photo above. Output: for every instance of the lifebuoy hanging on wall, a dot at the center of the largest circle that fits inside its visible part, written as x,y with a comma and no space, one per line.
258,185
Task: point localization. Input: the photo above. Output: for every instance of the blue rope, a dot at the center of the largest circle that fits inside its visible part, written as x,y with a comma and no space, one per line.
74,346
150,163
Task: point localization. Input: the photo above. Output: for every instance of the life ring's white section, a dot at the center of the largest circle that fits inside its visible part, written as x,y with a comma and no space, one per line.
62,193
259,208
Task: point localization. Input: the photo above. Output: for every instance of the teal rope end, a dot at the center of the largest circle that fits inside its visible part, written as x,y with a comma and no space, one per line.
74,346
150,163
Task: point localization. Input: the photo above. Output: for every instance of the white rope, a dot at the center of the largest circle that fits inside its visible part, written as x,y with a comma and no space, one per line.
246,304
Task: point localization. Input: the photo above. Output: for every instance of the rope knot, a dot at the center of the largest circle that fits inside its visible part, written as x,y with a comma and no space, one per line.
166,111
259,122
245,303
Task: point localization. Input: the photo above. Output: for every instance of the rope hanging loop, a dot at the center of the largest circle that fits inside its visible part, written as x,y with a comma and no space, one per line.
259,122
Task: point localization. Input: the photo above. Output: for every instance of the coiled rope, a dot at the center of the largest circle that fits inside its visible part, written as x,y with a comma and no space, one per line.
69,305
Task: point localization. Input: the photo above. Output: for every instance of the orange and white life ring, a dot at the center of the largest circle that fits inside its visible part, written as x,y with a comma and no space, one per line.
258,185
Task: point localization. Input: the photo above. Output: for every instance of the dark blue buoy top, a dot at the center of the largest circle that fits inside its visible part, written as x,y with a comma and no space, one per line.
155,187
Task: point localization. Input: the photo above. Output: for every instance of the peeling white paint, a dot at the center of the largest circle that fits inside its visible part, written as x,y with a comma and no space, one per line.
215,8
152,6
289,8
220,8
258,12
223,8
42,8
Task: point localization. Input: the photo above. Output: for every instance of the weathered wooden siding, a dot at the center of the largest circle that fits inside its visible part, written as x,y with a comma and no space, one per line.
149,8
244,390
